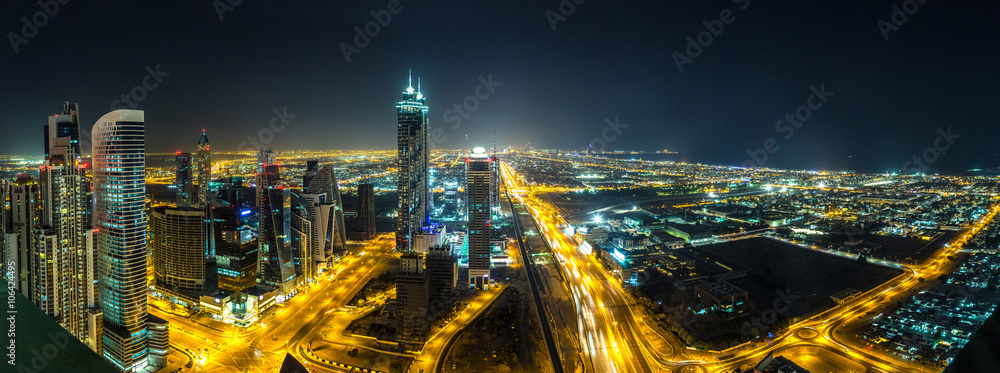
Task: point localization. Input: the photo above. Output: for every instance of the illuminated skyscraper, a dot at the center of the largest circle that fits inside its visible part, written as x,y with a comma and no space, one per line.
204,163
183,179
119,178
62,258
65,125
412,164
277,268
21,222
478,177
236,249
322,180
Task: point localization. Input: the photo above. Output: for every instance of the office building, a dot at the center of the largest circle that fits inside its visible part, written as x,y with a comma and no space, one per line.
321,180
429,236
478,177
442,275
412,165
159,341
304,236
119,182
236,252
177,240
277,269
65,125
366,212
21,223
204,164
231,191
183,181
412,298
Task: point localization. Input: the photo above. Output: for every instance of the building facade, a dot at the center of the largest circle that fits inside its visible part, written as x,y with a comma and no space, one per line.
479,176
177,239
119,182
412,165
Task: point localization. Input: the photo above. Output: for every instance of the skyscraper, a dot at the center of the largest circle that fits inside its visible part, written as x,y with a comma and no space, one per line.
183,179
412,298
479,174
119,182
277,269
236,249
204,163
22,221
366,211
62,258
65,125
178,247
322,180
412,164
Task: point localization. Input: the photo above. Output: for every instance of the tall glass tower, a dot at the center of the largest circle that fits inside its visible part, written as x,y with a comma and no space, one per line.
182,179
204,164
412,158
119,180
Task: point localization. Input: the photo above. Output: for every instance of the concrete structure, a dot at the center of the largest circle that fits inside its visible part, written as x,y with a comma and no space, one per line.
478,174
429,236
412,298
178,242
442,276
722,296
119,178
159,341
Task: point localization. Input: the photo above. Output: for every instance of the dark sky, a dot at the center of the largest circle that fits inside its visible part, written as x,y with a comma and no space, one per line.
607,59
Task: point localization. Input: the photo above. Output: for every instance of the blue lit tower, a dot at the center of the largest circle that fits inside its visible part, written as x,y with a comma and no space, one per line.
412,158
119,181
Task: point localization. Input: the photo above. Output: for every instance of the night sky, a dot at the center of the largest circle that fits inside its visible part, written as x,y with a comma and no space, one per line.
607,59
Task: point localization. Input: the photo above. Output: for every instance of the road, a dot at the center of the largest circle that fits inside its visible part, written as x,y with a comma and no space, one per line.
616,338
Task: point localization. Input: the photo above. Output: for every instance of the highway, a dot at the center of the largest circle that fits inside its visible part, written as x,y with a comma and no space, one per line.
615,338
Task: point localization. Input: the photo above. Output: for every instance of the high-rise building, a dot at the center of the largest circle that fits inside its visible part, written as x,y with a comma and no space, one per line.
412,164
119,182
478,177
62,259
366,211
412,298
236,249
304,236
231,191
277,268
322,180
442,275
65,125
22,221
204,164
183,180
178,244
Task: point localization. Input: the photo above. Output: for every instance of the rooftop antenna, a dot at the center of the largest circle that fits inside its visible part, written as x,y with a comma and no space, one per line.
418,84
409,78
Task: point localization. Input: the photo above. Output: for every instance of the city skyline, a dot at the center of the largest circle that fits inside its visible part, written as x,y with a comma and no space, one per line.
725,102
